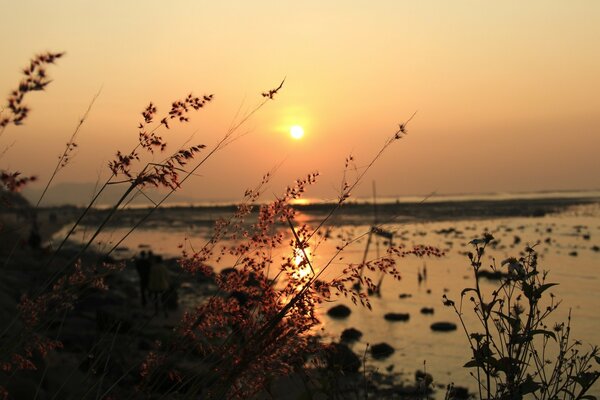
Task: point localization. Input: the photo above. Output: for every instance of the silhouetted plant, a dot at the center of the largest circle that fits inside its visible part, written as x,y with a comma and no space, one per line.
515,349
35,78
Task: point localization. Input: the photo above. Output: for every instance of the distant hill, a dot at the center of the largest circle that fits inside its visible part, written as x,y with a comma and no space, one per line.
80,194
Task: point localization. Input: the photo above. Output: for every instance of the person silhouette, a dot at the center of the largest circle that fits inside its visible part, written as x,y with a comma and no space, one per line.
158,283
142,265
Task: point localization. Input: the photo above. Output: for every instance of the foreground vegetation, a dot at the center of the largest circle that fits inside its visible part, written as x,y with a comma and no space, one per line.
254,327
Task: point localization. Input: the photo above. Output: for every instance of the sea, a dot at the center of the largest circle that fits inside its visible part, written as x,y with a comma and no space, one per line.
562,227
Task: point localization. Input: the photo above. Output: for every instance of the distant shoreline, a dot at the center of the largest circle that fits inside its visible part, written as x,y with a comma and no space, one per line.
351,213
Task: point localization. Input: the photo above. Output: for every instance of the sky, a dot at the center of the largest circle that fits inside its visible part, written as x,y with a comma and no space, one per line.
506,94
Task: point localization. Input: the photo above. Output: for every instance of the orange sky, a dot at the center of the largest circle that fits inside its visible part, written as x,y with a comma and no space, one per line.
507,93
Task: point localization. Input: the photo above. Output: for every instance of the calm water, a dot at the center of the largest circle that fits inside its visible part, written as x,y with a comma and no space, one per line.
569,256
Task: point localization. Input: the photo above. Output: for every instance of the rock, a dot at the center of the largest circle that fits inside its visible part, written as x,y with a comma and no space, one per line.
573,254
427,310
405,295
459,393
351,335
595,248
423,378
381,350
341,358
339,311
443,326
397,317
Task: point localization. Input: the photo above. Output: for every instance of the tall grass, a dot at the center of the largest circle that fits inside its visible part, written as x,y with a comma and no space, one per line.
254,329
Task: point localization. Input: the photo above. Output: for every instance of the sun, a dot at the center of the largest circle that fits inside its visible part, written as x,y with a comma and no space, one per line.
297,132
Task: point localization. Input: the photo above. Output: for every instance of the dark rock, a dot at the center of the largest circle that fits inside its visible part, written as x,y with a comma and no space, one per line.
351,335
341,358
443,326
595,248
397,316
459,393
573,254
423,378
405,295
339,311
427,310
381,350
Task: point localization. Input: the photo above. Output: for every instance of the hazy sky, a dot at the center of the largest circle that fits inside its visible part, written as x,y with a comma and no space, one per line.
507,93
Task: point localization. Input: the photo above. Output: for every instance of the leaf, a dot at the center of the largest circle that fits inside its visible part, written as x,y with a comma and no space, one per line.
529,385
508,365
543,332
597,358
513,322
517,339
488,307
473,363
544,287
585,379
589,397
466,290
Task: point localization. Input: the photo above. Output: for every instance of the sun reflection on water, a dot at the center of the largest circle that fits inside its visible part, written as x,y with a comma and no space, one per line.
303,269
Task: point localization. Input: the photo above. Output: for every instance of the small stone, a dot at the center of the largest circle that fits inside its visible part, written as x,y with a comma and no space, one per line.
339,311
381,350
351,335
397,317
443,326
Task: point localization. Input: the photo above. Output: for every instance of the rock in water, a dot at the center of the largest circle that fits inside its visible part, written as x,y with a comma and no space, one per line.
381,350
340,311
397,317
351,335
443,326
340,357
